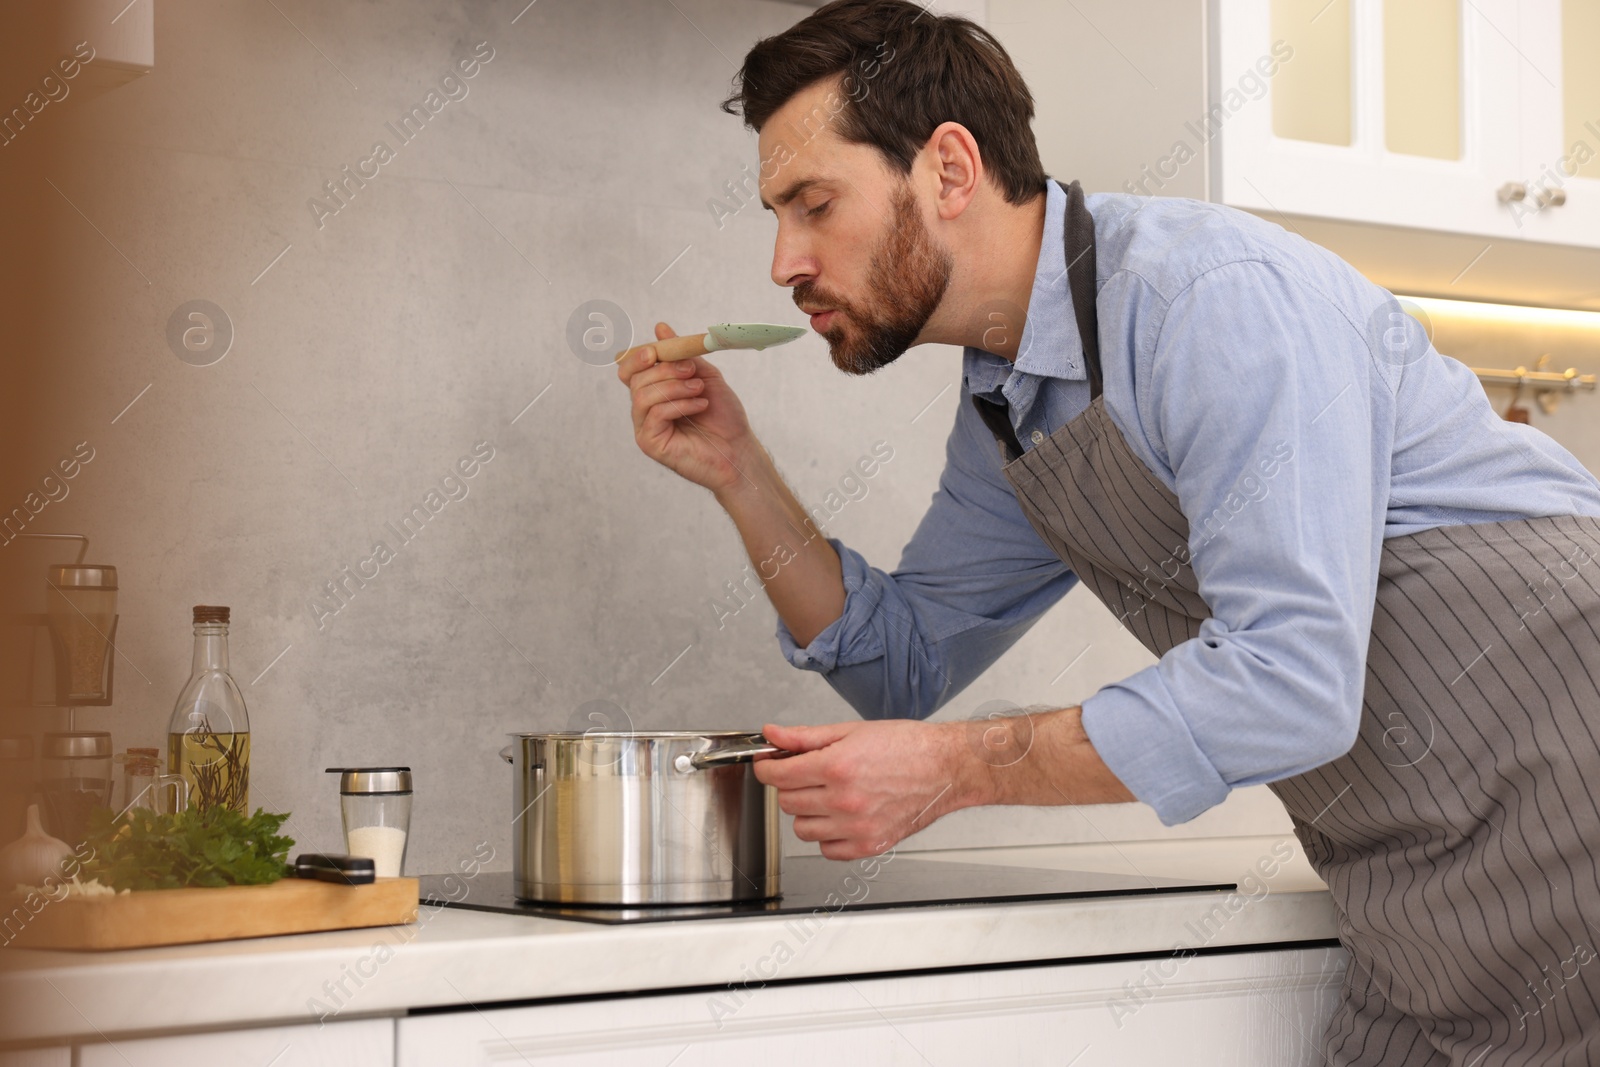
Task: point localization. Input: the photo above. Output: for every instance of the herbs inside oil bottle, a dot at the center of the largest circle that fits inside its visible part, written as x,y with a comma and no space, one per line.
208,739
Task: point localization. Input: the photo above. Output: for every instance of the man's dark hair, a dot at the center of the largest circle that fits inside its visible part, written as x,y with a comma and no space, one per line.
902,72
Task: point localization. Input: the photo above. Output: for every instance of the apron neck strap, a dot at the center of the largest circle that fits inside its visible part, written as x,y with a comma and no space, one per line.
1078,236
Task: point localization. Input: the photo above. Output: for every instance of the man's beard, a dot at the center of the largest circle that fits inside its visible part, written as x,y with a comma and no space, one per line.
906,278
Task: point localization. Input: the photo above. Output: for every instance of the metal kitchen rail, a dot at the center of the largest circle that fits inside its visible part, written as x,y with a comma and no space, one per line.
1546,385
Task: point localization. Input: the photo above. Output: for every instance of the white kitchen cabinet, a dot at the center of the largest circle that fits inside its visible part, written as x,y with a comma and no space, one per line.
1318,143
1236,1010
121,34
1178,106
358,1043
1561,124
1458,116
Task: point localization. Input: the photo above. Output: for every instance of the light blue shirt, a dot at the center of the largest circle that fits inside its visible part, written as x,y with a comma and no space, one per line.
1227,343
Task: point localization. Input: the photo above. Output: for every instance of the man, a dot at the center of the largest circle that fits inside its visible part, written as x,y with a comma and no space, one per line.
1364,588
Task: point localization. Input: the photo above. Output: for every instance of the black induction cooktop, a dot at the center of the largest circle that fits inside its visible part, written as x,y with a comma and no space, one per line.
814,884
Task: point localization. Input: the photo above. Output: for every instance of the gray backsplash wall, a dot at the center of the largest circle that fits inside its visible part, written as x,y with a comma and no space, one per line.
375,347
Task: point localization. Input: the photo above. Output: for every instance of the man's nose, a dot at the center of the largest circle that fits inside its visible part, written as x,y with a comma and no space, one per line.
791,264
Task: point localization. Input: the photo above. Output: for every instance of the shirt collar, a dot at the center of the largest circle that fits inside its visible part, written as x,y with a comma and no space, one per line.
1050,345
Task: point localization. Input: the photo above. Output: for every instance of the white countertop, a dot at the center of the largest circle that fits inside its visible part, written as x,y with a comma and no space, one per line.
453,957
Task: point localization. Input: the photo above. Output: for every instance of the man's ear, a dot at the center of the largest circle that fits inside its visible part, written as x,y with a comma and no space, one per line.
952,152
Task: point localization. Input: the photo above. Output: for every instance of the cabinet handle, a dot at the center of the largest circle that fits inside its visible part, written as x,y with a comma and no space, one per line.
1552,197
1512,191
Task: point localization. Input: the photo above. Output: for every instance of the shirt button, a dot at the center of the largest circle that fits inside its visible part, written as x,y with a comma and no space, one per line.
1037,436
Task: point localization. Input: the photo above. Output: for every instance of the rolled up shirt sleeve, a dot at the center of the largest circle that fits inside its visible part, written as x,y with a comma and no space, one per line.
864,589
1257,398
971,581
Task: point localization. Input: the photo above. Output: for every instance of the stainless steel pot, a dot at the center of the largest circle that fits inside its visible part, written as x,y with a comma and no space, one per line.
626,817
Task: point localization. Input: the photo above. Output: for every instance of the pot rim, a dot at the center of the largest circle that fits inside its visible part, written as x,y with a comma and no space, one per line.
634,735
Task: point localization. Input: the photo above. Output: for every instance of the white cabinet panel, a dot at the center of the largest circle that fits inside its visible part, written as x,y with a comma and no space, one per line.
1526,100
1521,90
1259,1008
361,1043
1364,181
1561,126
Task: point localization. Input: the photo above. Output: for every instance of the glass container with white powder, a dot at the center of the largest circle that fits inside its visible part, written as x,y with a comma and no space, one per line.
376,805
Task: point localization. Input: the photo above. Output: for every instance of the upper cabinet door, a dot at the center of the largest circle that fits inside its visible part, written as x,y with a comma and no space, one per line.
1399,112
1560,85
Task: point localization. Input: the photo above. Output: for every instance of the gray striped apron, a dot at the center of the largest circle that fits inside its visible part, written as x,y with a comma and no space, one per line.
1458,836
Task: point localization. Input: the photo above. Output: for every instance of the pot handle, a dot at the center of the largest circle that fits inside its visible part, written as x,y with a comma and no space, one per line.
723,757
508,754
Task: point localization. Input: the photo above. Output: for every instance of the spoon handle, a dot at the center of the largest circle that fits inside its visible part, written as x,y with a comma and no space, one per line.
673,348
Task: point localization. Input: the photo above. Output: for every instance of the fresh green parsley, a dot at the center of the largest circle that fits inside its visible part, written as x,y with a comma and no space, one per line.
215,847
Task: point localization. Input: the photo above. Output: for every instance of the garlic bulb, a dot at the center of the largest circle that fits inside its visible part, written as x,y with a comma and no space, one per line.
34,856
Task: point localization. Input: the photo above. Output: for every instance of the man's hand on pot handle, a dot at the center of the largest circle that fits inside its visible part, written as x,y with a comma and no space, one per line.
860,787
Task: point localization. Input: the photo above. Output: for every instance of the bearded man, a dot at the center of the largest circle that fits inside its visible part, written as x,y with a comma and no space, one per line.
1186,408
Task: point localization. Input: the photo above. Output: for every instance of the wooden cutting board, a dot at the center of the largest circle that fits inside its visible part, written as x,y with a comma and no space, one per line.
184,916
